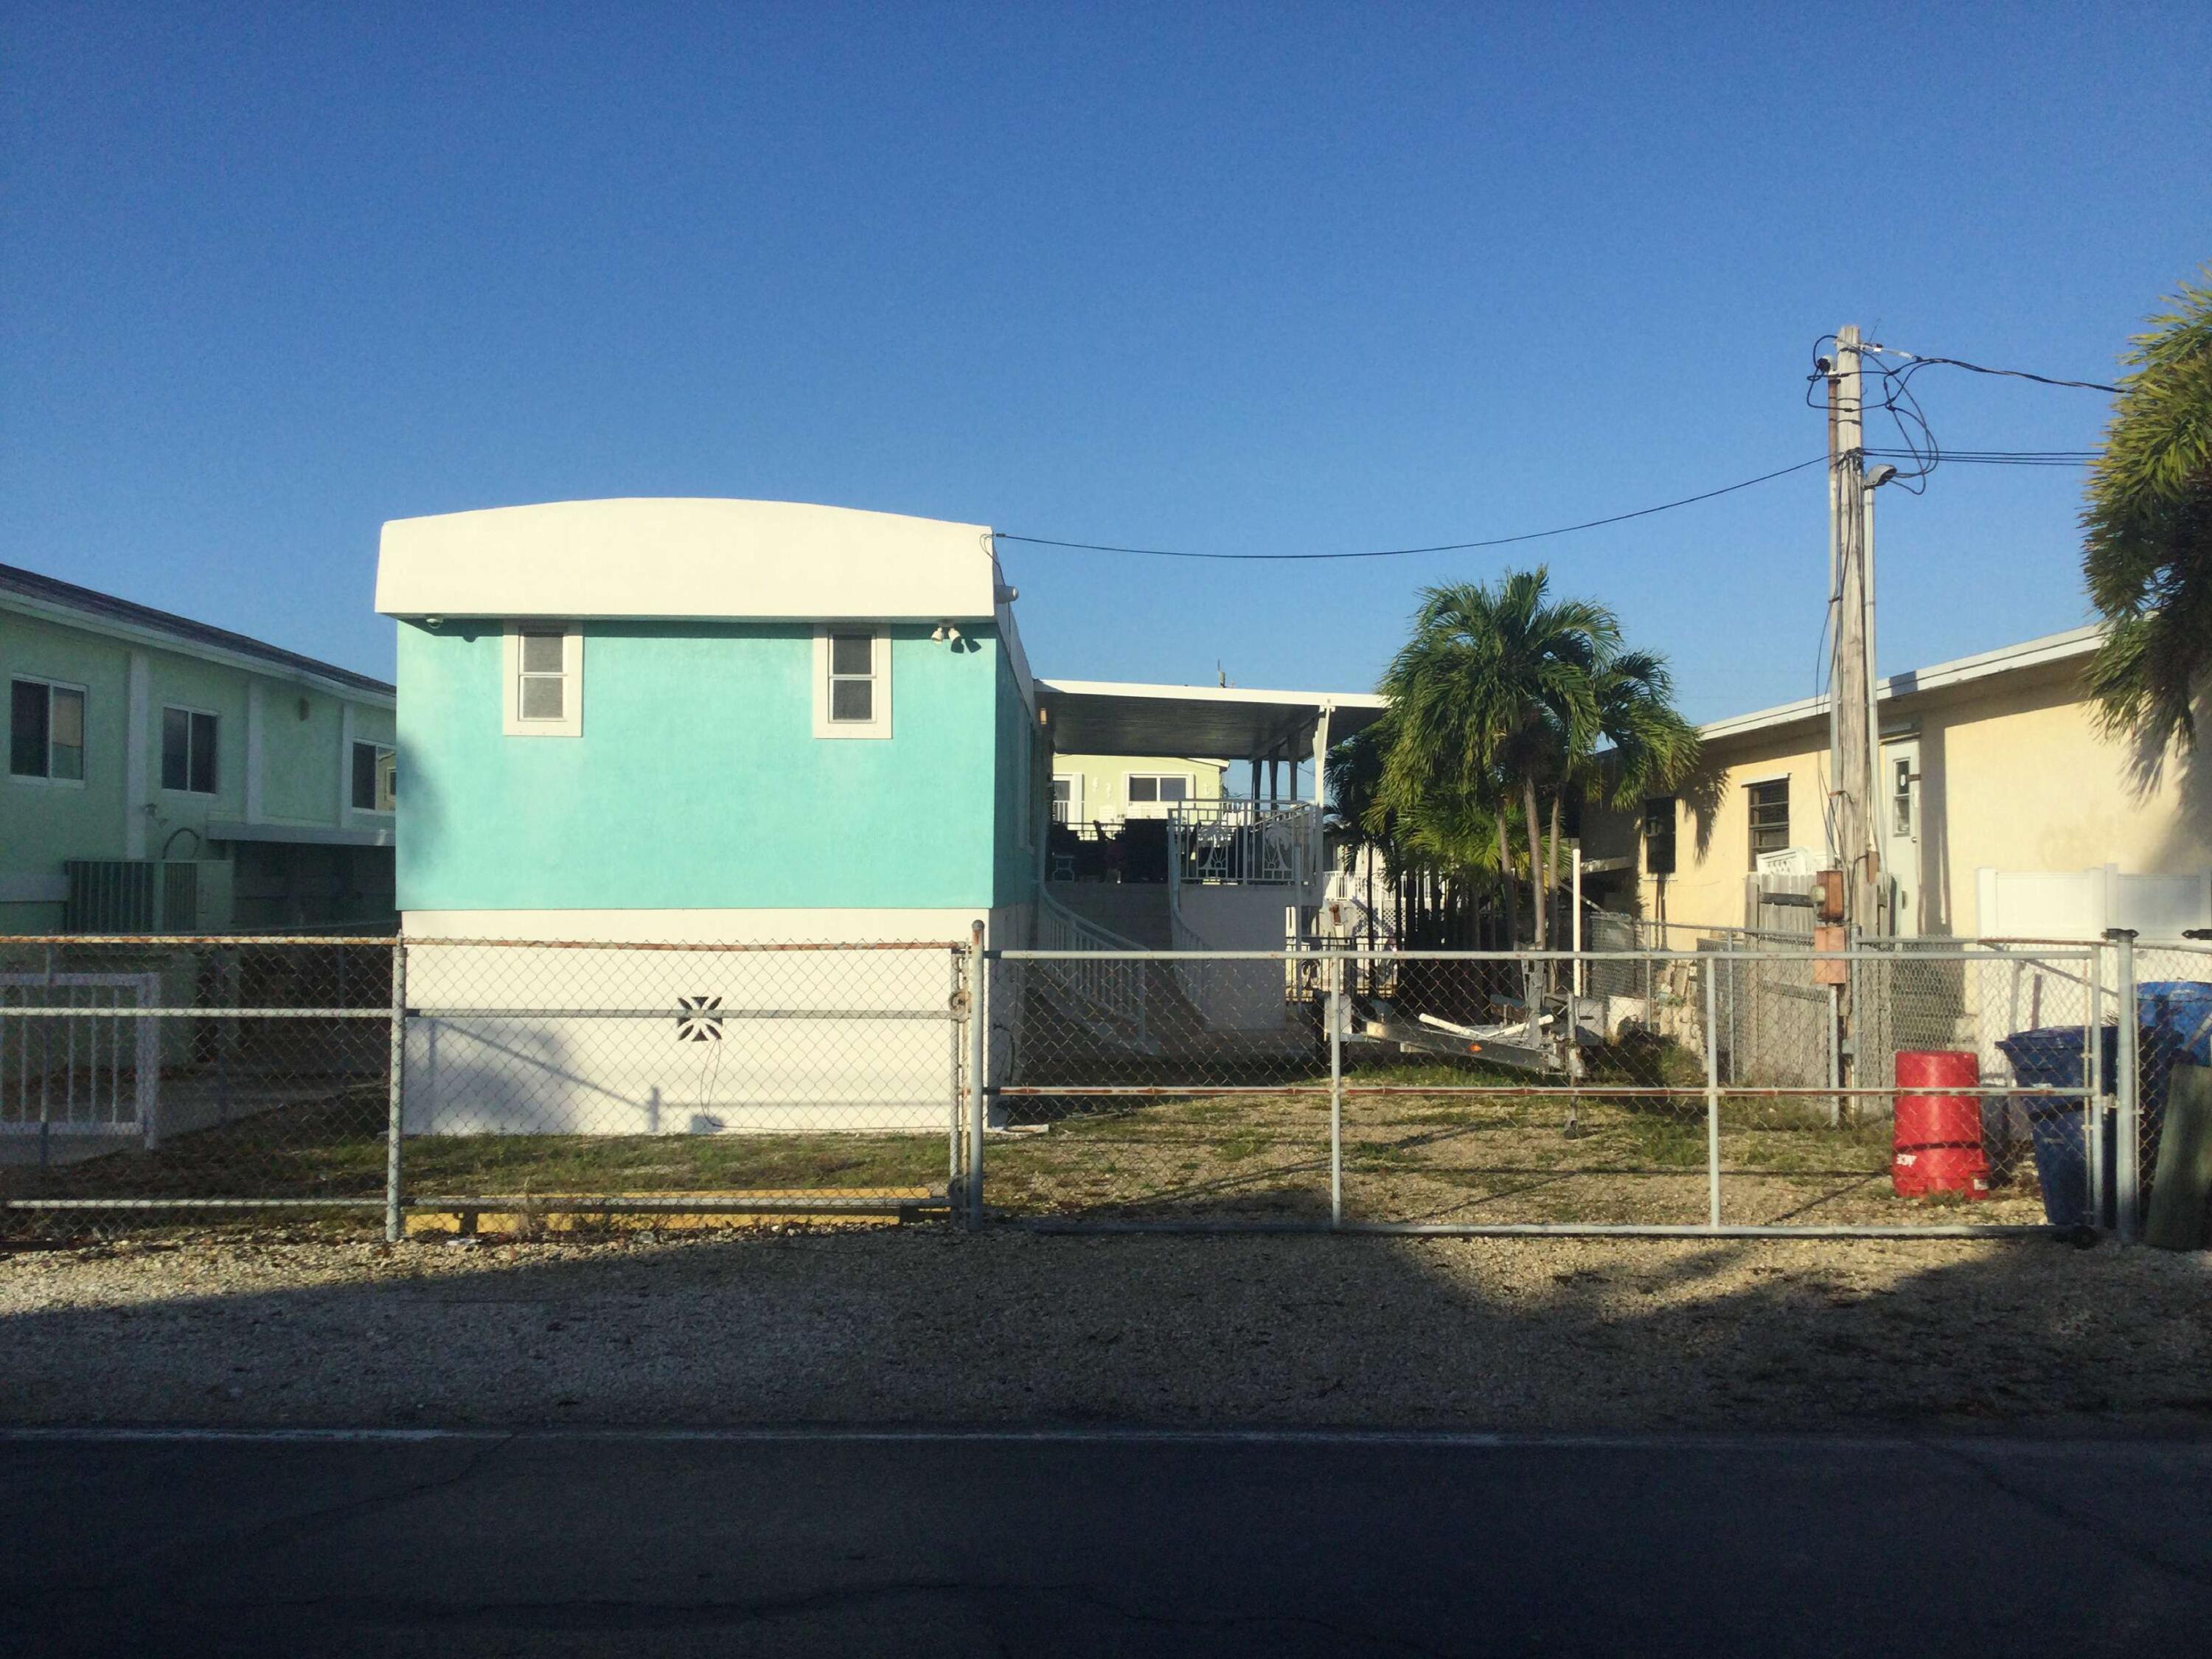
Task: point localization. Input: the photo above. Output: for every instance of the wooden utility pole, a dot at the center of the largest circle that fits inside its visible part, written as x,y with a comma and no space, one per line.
1852,738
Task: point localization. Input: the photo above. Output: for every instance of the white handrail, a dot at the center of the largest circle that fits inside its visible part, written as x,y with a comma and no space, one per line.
1107,987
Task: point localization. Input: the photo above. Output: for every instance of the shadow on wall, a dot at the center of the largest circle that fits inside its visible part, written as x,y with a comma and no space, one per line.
2187,843
1703,794
473,1075
1483,1333
418,822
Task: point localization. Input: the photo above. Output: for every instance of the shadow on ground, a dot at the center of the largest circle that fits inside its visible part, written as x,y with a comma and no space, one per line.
927,1324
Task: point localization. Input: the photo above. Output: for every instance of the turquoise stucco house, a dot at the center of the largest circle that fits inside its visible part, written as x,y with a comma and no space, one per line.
720,722
708,719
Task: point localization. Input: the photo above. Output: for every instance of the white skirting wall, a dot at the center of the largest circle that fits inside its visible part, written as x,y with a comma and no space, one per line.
540,1021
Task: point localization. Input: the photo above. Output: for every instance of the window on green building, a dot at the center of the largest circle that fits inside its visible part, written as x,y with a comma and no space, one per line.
188,752
376,778
46,731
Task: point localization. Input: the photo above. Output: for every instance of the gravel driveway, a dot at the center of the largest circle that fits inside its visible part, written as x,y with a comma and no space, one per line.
927,1325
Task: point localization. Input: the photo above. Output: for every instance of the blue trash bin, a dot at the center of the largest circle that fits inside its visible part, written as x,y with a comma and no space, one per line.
2051,1057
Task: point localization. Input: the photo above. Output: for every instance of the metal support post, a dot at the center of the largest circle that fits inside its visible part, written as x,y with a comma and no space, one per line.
1575,918
2126,1171
1835,1061
955,1141
979,975
1712,1102
1336,1092
394,1110
2093,1090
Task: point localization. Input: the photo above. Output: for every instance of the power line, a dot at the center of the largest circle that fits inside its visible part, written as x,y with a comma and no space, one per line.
2010,373
1408,552
1996,456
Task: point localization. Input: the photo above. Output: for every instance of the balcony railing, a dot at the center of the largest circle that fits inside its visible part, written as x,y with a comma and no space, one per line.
1243,841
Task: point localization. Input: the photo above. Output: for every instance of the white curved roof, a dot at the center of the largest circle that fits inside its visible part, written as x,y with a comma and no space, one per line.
674,557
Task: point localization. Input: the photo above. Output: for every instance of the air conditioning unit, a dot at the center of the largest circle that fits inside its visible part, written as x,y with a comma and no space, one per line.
1789,862
136,896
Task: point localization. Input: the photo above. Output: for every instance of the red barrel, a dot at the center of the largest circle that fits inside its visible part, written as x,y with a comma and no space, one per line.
1938,1138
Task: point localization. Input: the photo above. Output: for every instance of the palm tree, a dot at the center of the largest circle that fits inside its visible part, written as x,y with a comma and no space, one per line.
2148,525
1485,699
1640,747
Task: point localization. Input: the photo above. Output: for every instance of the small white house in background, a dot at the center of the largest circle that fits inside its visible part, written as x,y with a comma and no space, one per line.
697,723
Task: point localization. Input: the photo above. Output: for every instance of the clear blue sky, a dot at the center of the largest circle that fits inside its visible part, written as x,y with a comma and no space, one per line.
1244,279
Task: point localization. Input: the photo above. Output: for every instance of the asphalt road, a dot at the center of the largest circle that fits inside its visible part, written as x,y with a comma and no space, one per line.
1076,1543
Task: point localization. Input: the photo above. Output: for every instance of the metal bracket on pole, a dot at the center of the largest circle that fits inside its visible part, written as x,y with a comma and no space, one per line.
396,1108
978,1050
2126,1162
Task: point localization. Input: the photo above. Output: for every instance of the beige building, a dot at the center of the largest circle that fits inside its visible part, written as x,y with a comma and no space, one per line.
2003,811
1108,788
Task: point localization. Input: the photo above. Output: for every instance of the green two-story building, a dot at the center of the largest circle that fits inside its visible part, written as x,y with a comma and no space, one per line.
167,776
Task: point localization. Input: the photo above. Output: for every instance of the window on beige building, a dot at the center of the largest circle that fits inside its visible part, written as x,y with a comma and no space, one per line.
1770,817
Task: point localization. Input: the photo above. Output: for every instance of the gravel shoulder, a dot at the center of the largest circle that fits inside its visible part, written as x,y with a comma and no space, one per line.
924,1325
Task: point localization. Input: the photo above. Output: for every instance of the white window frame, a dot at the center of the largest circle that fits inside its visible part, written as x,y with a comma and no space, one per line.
1074,782
160,756
571,723
879,670
387,761
1155,807
84,708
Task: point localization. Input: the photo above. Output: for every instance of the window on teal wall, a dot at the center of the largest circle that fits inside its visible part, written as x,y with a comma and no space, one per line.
851,677
188,750
852,680
46,731
544,676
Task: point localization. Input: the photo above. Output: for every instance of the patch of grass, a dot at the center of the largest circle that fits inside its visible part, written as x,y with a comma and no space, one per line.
1656,1140
1235,1149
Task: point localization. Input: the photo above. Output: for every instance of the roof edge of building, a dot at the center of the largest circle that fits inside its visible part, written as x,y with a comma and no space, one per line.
107,612
2037,652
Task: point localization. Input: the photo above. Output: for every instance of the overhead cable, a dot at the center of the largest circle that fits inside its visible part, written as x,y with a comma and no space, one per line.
1408,552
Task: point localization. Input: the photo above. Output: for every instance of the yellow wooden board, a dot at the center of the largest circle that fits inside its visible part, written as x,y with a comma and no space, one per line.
543,1212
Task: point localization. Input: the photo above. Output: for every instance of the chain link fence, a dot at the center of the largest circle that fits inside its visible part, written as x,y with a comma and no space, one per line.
436,1082
427,1083
1771,1089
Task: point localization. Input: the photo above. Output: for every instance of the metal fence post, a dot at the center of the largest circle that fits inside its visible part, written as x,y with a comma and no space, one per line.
394,1111
2092,1088
1712,1100
2126,1172
1336,1091
956,1006
978,1051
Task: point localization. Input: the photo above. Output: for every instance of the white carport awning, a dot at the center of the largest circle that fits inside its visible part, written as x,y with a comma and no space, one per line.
1108,717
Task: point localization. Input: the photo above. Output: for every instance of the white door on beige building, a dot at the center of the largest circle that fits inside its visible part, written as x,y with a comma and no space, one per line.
1900,828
